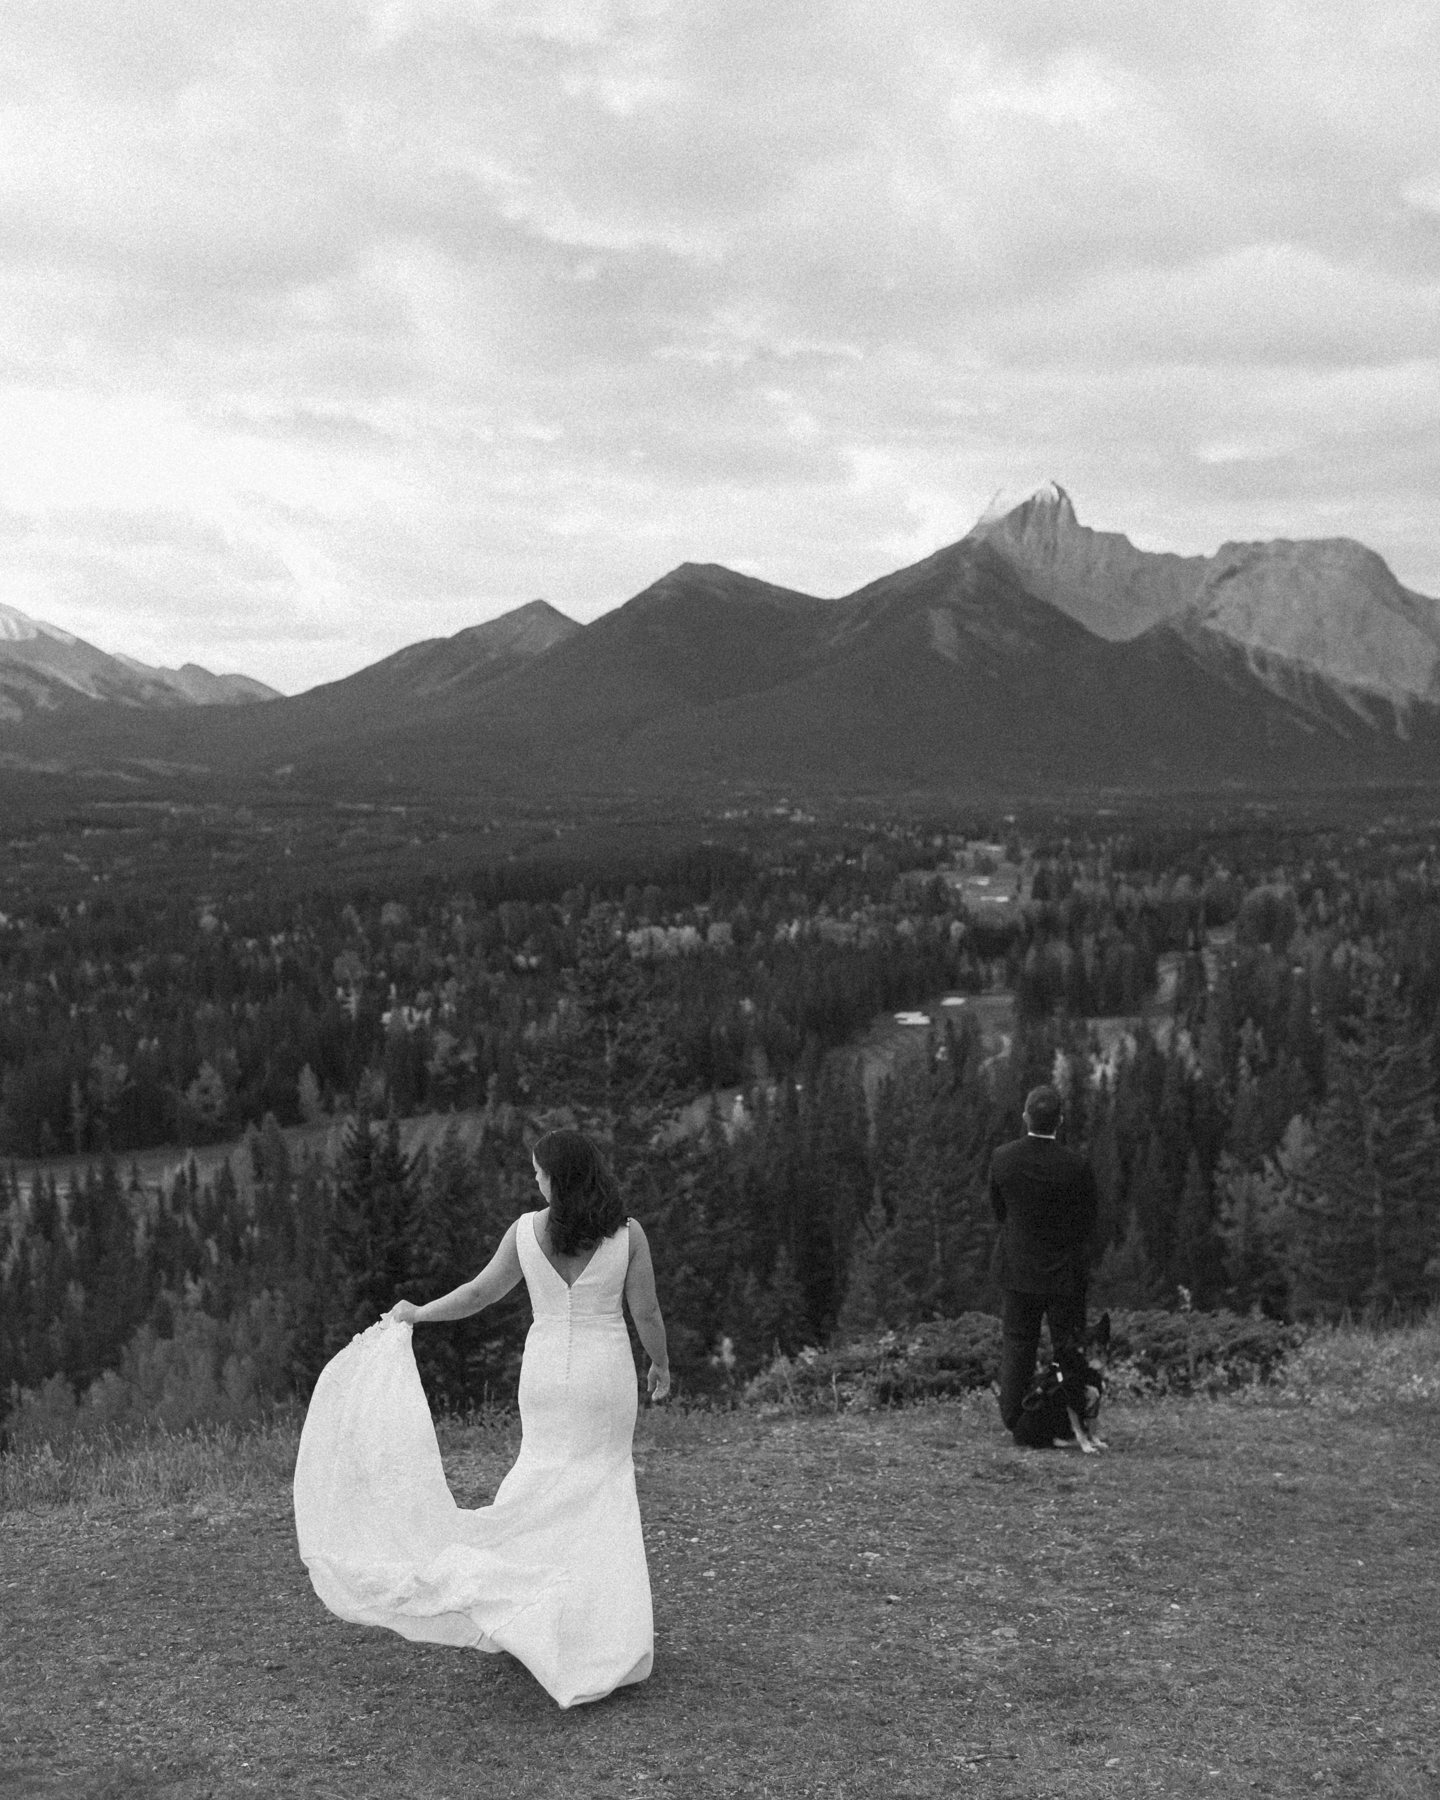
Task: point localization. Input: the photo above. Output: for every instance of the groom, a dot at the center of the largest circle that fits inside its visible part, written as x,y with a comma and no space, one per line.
1045,1201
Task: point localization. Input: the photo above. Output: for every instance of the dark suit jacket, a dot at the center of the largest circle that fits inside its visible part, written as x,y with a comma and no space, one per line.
1045,1200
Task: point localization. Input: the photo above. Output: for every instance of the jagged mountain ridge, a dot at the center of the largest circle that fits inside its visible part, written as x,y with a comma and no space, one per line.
44,668
1327,607
1098,577
949,675
200,687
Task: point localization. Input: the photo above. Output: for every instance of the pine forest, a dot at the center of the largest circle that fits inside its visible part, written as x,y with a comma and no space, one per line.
236,1127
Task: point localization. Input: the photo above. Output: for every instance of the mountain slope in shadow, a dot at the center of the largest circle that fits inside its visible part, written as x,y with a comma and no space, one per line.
949,675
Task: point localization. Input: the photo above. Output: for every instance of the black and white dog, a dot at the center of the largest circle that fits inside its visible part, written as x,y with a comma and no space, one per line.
1064,1399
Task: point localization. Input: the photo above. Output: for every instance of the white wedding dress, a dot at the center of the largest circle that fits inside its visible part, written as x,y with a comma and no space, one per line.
554,1569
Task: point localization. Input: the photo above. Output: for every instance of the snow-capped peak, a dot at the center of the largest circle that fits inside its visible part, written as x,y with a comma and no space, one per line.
17,627
1049,497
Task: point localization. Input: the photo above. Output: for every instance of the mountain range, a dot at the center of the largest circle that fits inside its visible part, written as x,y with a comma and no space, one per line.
1033,653
45,669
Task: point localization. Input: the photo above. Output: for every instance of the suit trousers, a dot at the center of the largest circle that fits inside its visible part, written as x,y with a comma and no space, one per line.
1020,1318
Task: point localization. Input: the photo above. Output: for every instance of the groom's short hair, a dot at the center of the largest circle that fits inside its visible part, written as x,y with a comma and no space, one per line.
1043,1107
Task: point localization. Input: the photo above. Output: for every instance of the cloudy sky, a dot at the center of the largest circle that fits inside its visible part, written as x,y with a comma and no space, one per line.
327,325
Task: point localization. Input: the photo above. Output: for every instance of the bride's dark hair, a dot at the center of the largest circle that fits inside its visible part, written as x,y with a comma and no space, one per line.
585,1203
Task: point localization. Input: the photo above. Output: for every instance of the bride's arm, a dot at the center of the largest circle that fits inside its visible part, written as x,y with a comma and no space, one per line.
493,1282
645,1311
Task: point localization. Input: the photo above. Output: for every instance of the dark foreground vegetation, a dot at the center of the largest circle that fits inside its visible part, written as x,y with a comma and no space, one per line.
1241,1010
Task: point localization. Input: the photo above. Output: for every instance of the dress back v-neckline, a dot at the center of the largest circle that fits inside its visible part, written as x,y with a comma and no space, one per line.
545,1254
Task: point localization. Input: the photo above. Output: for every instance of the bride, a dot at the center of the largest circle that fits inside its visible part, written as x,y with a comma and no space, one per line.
554,1569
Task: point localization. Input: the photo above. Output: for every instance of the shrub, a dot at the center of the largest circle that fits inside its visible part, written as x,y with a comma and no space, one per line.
1150,1353
210,1372
939,1359
1195,1352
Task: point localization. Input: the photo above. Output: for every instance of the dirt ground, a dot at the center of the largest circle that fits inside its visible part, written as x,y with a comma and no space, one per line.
1235,1600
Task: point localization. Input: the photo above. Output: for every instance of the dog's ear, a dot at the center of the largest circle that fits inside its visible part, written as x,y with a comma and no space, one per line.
1101,1334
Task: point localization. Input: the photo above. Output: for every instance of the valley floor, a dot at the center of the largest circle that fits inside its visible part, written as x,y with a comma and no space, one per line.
165,1161
1238,1599
878,1051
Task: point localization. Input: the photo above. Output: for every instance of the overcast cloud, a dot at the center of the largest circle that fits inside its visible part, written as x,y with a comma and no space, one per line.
328,326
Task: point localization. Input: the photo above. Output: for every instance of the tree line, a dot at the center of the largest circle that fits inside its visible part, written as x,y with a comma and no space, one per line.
1264,1135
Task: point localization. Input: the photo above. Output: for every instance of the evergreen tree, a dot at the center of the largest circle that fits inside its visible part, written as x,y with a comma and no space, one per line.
310,1288
743,1323
308,1096
1256,1222
833,1185
912,1249
1172,1122
1218,1032
274,1205
443,1238
960,1125
862,1307
908,1254
1126,1277
897,1130
104,1236
783,1320
373,1197
1110,1183
1152,1206
1369,1216
618,1054
1198,1263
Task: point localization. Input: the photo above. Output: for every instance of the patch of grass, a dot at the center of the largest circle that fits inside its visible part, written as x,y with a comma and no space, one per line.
1236,1600
222,1464
1349,1368
206,1465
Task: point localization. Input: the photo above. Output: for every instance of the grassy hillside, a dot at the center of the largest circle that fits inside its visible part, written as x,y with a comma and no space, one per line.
1238,1599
